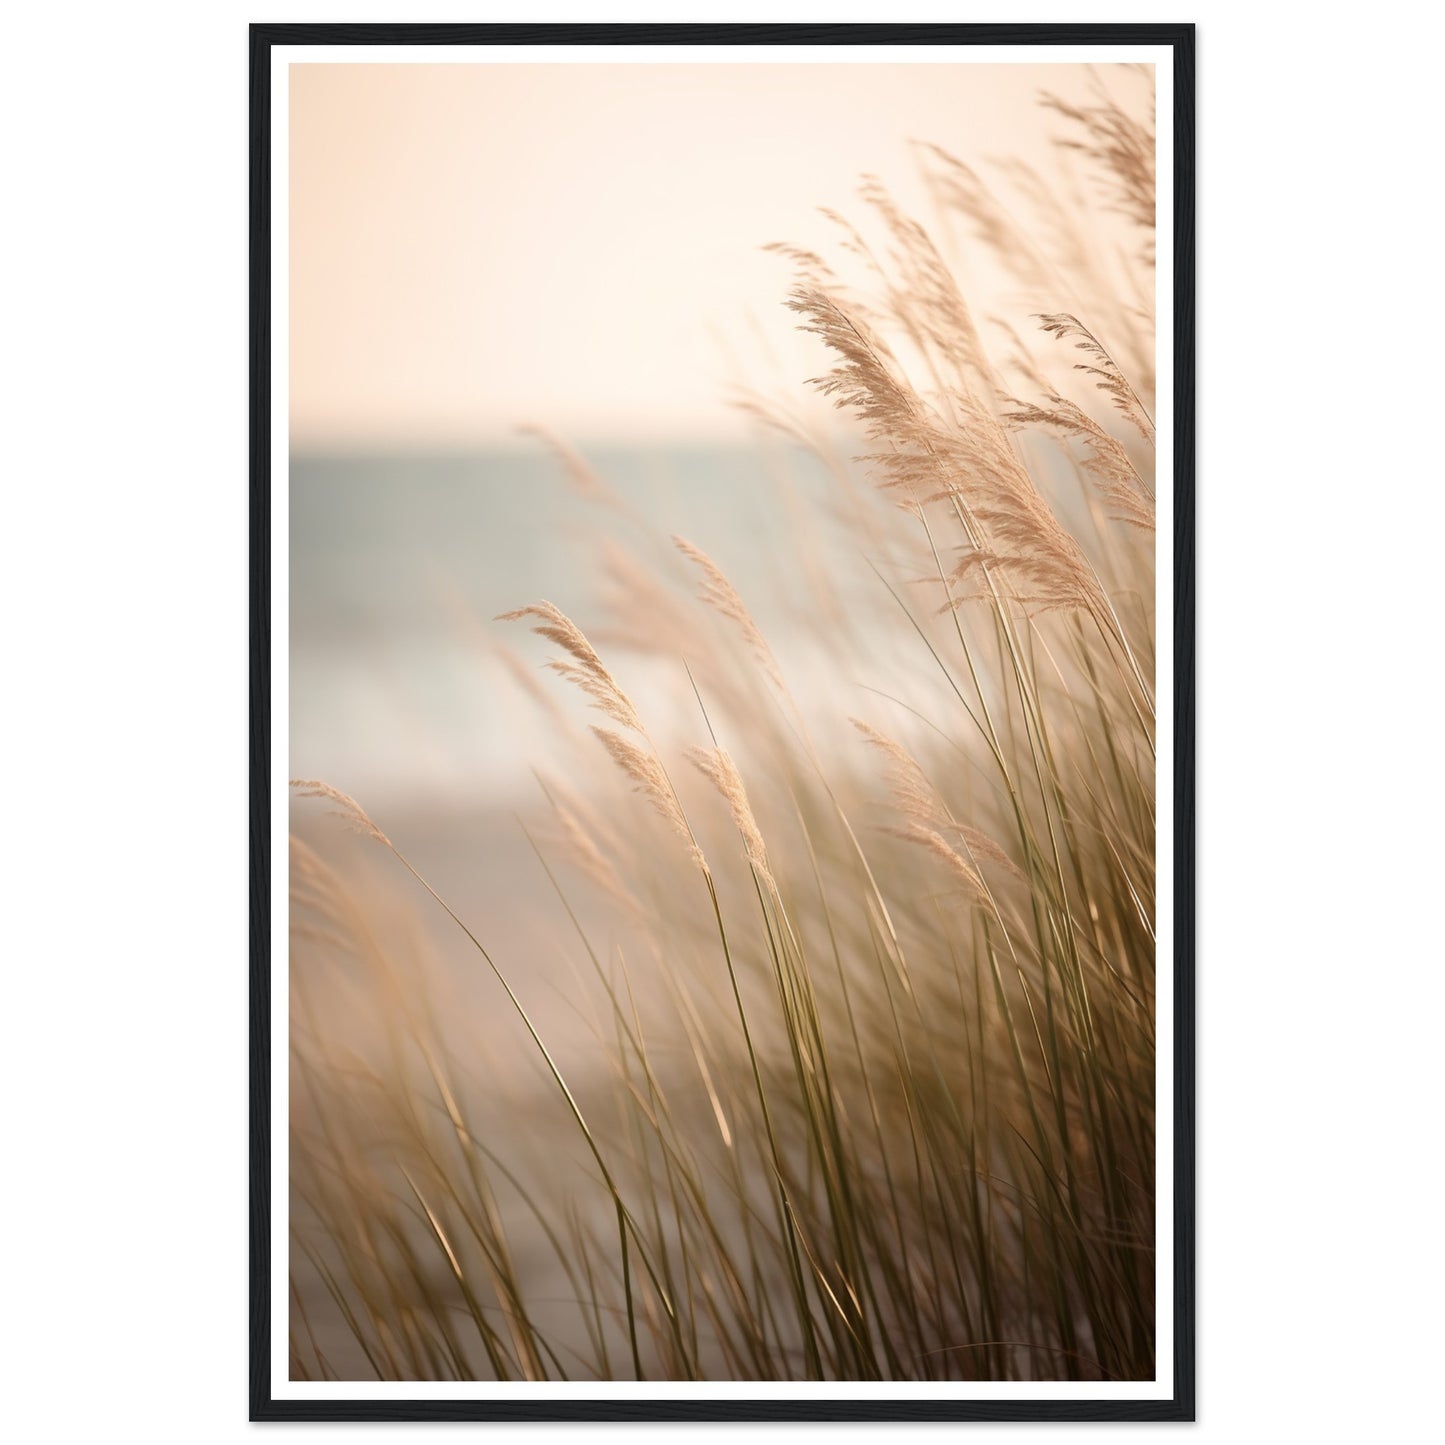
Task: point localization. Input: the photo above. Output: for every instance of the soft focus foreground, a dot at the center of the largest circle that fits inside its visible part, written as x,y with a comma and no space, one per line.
809,1032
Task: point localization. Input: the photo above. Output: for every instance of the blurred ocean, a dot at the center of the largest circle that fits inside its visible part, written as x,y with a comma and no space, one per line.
399,564
398,695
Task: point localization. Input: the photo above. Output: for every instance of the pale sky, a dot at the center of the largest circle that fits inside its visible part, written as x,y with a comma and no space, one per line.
479,247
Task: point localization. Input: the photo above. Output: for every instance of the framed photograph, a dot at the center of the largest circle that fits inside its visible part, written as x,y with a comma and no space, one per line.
721,722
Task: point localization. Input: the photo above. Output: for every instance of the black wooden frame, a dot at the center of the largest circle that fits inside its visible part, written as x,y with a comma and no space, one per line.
1180,39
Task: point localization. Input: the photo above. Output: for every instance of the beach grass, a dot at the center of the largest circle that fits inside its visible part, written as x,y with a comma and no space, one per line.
868,1091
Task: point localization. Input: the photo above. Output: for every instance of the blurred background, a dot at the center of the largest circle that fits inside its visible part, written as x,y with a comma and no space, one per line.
579,249
476,249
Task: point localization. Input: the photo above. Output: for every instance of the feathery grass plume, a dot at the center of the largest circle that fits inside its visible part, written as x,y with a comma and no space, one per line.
717,766
928,301
721,594
865,382
962,870
918,801
808,263
1124,147
652,782
586,668
1107,376
1098,276
346,807
912,792
971,462
1056,230
1116,477
892,299
811,270
959,186
980,845
1040,562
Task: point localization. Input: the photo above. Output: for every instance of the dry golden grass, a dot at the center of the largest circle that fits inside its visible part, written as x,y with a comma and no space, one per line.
869,1089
